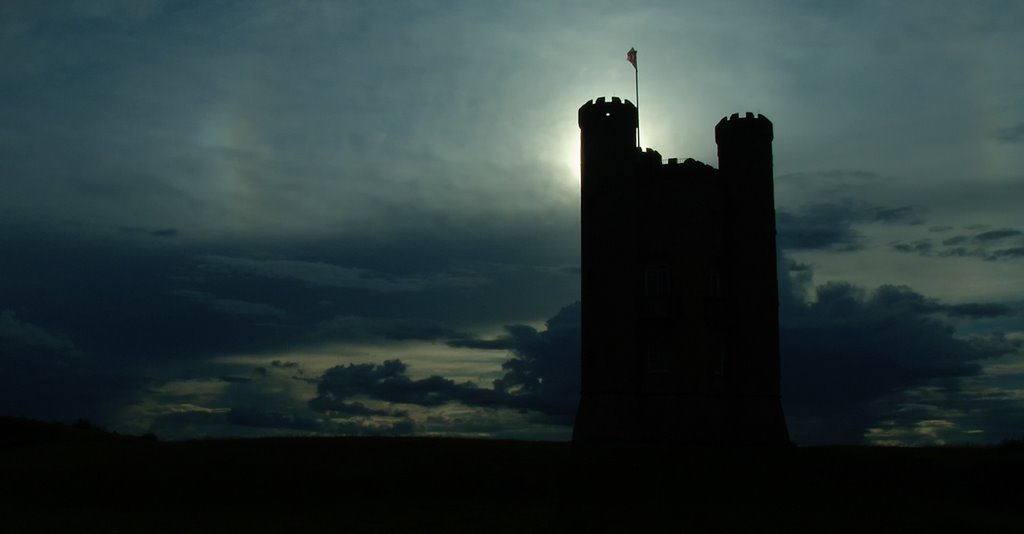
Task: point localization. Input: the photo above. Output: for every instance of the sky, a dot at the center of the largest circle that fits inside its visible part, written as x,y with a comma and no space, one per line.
253,218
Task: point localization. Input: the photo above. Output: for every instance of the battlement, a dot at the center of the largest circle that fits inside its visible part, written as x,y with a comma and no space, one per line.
650,156
603,113
748,127
689,163
688,169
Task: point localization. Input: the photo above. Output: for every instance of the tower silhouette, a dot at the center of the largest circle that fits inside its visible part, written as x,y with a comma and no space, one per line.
680,295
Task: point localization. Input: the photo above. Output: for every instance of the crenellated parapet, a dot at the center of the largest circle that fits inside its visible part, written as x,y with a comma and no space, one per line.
603,113
689,164
748,127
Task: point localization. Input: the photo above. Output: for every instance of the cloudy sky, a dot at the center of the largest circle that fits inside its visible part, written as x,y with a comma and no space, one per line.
353,217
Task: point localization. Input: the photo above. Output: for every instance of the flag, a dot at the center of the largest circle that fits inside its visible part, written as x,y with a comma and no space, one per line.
631,56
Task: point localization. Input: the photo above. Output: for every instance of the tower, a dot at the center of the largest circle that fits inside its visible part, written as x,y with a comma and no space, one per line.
746,170
608,205
680,303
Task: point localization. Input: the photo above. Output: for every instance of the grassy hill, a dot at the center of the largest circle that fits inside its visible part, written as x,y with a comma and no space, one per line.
56,478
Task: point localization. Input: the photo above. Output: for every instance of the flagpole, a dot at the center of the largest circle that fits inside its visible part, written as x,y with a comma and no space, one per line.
636,80
631,58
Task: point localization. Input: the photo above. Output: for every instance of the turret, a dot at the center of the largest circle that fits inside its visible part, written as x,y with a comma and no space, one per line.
607,142
750,275
614,120
609,184
608,180
745,161
608,156
734,127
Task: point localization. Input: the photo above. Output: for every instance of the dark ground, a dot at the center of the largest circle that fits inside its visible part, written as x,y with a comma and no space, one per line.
62,479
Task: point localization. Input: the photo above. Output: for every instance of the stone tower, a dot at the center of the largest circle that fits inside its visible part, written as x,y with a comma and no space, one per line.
680,298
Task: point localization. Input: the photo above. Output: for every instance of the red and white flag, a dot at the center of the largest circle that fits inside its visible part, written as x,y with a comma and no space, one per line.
631,56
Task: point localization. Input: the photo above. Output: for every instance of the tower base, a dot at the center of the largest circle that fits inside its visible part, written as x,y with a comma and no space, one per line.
684,420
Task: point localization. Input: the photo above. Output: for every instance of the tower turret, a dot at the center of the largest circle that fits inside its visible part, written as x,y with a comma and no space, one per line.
750,276
607,143
608,166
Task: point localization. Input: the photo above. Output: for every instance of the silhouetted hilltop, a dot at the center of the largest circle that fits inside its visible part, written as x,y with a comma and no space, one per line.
118,483
24,432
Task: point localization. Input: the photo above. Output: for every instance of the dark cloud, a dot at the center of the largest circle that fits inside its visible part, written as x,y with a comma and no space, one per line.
45,375
267,404
1007,253
16,334
141,307
235,379
353,327
388,382
118,299
830,225
1011,134
500,343
979,310
994,409
993,235
233,306
323,274
331,404
53,385
158,232
543,371
904,299
849,354
287,365
818,226
900,215
831,176
871,346
963,252
92,320
165,232
848,357
991,245
541,375
923,247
